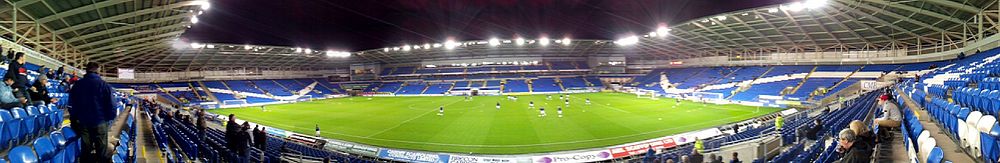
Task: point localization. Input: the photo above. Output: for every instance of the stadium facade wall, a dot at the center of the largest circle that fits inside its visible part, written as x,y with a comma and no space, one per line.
37,58
150,77
827,58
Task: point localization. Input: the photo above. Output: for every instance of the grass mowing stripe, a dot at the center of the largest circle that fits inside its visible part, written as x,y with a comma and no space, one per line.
478,127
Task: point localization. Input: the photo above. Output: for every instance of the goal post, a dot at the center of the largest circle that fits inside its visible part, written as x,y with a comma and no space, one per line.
646,94
708,95
234,102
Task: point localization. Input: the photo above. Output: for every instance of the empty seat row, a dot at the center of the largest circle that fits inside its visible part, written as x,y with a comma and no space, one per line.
21,125
976,130
984,100
992,83
56,147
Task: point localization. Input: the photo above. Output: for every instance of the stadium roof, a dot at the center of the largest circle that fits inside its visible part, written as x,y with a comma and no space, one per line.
142,34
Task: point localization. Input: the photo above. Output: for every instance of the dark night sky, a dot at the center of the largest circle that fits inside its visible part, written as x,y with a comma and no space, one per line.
356,25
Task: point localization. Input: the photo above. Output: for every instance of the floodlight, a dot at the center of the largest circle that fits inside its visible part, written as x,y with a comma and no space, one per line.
653,34
720,17
565,41
543,41
436,45
630,40
793,7
772,10
210,46
814,4
205,5
298,50
450,44
246,47
309,51
406,47
519,41
662,31
385,49
196,45
194,20
395,48
494,41
427,46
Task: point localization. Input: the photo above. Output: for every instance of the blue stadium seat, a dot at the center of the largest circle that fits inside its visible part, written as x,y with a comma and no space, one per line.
43,148
25,121
936,155
31,125
73,143
22,154
59,144
989,149
6,121
994,103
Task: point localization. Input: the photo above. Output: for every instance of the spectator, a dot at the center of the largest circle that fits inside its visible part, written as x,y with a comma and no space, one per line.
91,108
812,133
862,133
59,73
232,128
853,152
718,159
40,92
650,154
697,157
7,99
736,158
698,144
262,138
890,113
255,134
670,160
778,122
200,123
22,85
684,159
317,130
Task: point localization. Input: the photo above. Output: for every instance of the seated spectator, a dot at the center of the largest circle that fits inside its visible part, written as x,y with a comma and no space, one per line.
7,99
862,133
891,116
736,158
853,152
39,92
697,157
684,159
812,132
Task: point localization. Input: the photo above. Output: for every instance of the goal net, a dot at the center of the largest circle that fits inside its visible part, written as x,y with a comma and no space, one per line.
234,102
708,95
305,98
646,94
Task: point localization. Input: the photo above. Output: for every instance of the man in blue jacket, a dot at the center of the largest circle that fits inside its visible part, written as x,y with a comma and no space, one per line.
91,108
7,99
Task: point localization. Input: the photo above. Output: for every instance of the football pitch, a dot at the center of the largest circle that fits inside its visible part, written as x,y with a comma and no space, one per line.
476,126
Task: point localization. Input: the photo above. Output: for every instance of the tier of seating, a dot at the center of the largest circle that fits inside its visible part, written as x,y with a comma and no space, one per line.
545,85
180,141
516,86
412,88
960,98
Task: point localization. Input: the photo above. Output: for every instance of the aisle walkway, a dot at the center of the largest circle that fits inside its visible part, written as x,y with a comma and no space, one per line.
952,151
148,150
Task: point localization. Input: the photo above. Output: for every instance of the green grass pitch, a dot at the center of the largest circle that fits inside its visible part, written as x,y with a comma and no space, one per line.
478,127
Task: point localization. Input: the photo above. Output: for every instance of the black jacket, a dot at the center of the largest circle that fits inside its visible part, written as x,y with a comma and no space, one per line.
859,153
41,93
